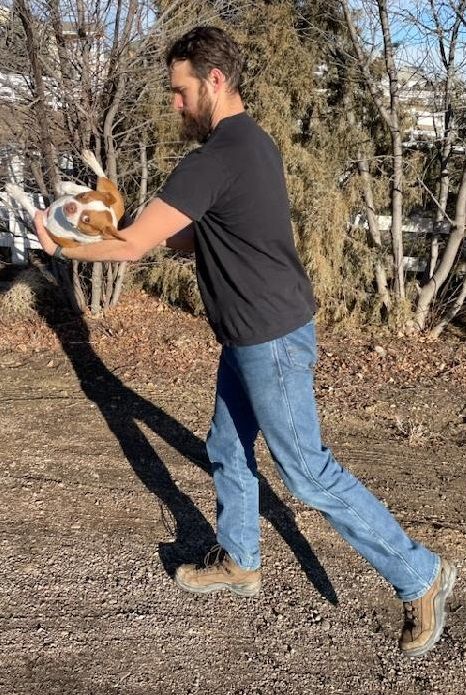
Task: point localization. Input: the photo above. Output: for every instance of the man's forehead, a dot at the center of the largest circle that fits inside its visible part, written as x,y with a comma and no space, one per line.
181,71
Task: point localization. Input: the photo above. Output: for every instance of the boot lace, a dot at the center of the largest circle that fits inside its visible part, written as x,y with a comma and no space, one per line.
214,558
411,614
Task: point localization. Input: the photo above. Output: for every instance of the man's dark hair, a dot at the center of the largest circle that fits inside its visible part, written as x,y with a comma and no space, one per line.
207,48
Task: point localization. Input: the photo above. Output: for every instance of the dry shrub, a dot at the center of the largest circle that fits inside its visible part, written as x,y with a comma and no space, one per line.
401,314
282,95
338,259
279,90
173,279
31,288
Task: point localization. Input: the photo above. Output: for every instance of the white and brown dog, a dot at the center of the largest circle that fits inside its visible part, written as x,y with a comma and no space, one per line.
79,215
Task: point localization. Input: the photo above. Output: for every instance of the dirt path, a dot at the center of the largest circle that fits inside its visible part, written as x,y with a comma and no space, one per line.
104,488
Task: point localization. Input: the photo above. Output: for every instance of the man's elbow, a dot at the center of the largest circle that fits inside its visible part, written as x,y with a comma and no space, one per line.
136,253
133,252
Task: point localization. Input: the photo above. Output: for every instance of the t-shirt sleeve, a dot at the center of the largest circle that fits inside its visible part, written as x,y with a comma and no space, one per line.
195,184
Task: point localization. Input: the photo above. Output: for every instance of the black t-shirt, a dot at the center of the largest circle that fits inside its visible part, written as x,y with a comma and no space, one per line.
251,281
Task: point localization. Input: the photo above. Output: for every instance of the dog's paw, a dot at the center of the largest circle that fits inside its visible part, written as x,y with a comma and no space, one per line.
13,190
20,198
88,156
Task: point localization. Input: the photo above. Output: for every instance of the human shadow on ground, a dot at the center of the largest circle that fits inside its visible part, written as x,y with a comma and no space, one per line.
122,409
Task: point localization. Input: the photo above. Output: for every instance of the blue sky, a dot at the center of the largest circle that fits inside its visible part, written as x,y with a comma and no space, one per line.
412,27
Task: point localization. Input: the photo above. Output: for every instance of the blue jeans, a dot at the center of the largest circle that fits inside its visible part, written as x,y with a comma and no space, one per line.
269,387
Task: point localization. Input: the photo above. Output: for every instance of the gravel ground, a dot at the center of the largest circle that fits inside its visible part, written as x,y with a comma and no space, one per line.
105,488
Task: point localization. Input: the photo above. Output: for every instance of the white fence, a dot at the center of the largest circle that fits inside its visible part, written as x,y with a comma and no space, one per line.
413,225
14,234
422,226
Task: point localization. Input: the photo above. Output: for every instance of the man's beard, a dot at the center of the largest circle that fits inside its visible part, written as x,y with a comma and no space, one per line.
198,127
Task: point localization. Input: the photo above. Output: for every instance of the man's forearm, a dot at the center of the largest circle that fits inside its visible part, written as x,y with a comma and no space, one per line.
109,250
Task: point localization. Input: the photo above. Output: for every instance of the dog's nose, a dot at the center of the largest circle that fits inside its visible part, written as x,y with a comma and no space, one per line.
70,208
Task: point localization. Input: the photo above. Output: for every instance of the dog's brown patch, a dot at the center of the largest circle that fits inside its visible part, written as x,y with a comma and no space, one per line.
106,186
107,199
97,223
107,193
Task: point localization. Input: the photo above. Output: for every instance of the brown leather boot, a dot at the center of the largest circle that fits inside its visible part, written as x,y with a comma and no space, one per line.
220,572
425,617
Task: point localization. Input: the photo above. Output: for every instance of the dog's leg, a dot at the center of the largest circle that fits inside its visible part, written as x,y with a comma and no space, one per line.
103,183
90,159
106,186
20,197
71,188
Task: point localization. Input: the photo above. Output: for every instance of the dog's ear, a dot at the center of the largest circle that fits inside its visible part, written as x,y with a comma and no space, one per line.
108,199
111,232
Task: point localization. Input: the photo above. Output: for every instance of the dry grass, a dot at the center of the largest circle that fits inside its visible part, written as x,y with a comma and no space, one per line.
31,287
415,433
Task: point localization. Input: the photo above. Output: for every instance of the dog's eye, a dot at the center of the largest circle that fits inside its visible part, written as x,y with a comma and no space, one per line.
85,219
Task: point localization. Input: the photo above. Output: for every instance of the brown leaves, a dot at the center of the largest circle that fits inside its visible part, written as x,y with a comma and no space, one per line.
143,337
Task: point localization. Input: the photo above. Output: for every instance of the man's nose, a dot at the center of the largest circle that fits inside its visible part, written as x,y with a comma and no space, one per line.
177,102
70,208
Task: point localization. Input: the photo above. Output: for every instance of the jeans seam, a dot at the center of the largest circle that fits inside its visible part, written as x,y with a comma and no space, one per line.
236,556
414,597
326,492
236,548
243,505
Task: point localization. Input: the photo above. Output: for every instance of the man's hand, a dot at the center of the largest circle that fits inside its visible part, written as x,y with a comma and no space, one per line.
46,242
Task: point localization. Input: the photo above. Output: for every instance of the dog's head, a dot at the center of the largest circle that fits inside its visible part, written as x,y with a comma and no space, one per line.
84,217
92,214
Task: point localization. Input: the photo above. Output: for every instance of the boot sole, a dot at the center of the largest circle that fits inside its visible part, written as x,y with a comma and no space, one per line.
439,610
238,589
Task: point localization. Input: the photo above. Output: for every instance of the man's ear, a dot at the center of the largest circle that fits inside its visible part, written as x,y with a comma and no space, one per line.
110,232
108,199
217,79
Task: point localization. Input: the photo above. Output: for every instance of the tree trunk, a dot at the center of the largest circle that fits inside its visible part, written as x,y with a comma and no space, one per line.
374,231
38,176
447,55
64,74
458,303
108,285
86,89
444,186
118,84
144,174
397,214
96,298
397,148
40,101
372,221
77,288
429,290
390,115
118,284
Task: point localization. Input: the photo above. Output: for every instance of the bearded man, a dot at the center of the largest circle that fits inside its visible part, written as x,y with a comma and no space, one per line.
227,200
